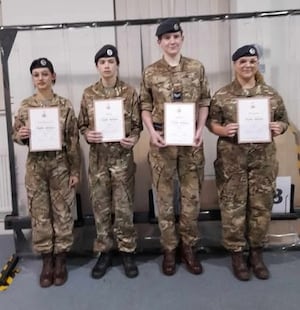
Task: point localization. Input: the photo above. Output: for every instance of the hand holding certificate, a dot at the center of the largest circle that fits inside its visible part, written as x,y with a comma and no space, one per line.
179,123
45,132
109,119
254,120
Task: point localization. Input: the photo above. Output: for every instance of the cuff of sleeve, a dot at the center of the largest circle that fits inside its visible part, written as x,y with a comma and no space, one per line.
204,102
74,173
146,107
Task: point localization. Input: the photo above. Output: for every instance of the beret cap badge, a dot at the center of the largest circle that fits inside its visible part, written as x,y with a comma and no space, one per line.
252,51
109,52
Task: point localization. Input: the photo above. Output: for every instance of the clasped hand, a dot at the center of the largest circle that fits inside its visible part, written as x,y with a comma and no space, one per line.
24,133
97,137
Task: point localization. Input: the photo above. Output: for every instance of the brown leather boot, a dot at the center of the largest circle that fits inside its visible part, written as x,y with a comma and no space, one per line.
169,262
239,266
60,269
257,264
46,276
189,257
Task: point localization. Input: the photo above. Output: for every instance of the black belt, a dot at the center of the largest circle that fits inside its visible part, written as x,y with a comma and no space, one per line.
233,140
158,126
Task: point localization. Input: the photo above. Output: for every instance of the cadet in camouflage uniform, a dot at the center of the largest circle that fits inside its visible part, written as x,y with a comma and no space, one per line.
111,166
245,173
181,79
50,176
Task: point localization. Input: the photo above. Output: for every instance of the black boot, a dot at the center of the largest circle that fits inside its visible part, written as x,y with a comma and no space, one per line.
129,264
60,269
102,264
257,264
46,276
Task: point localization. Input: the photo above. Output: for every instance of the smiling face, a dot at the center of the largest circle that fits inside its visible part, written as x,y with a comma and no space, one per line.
43,78
245,68
171,43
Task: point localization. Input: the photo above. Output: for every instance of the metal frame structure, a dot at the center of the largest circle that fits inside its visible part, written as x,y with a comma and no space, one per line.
7,38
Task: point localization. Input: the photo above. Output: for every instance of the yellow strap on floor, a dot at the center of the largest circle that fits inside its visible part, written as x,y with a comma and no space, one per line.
8,272
9,280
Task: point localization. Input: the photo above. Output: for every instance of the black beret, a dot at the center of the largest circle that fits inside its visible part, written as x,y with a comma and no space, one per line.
107,50
246,50
167,26
42,63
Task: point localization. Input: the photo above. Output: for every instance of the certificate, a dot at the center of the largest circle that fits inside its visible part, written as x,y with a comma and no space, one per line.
45,132
179,123
254,120
109,119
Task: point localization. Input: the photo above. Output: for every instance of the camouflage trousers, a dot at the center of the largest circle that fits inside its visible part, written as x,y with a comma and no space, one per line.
245,176
186,164
111,182
50,202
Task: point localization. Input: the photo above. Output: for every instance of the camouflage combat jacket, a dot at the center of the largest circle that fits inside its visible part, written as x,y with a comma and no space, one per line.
223,107
68,126
162,83
132,116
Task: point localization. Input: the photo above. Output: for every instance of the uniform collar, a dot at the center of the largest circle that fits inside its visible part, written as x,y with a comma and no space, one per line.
100,89
179,67
238,90
45,102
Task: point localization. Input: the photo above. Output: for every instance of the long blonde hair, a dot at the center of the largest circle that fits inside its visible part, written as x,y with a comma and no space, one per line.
259,78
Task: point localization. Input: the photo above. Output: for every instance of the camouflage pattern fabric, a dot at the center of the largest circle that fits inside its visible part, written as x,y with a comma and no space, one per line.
47,179
112,170
186,163
245,173
184,83
161,82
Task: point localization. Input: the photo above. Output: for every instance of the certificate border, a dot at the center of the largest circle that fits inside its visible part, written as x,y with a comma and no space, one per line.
59,128
193,120
123,118
269,139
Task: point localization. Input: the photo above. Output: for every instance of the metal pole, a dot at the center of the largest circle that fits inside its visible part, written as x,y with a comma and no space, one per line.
7,38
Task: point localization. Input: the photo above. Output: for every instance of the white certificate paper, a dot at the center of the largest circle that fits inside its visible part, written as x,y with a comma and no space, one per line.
45,132
254,120
109,119
179,123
